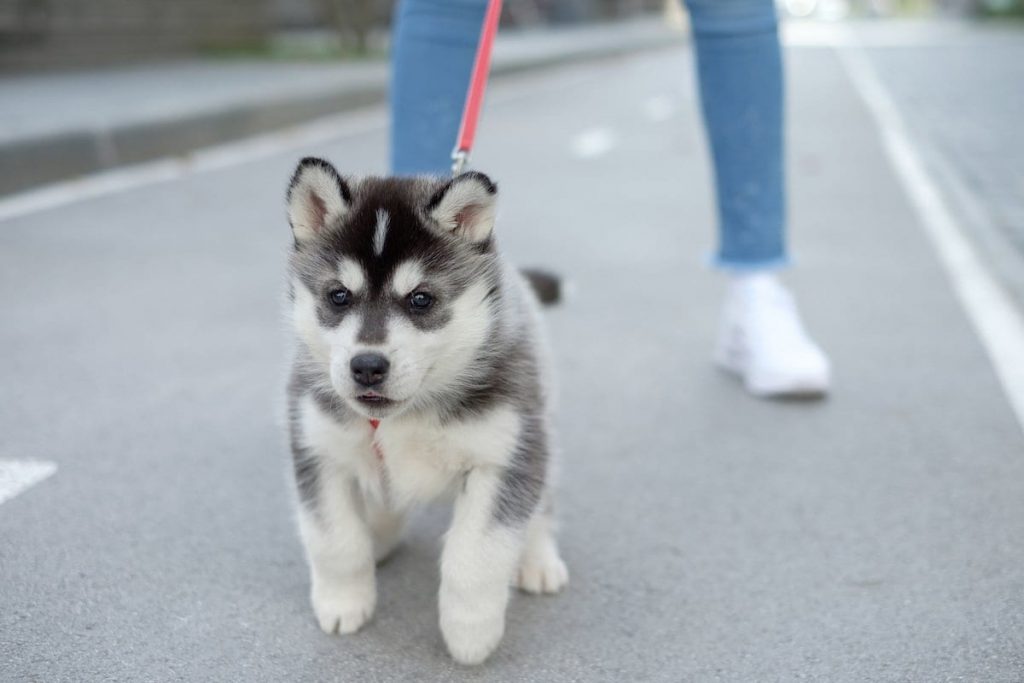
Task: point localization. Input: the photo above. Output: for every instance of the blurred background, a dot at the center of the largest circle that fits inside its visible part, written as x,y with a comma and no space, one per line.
37,34
146,506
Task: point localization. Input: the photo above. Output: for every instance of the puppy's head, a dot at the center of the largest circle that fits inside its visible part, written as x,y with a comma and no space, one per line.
392,280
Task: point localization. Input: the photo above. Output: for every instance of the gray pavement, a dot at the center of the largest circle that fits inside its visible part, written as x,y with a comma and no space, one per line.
959,85
875,536
58,125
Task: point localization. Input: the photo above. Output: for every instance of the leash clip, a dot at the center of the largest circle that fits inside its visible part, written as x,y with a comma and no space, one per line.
460,158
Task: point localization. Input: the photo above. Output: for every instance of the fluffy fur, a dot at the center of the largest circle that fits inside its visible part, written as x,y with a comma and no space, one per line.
459,401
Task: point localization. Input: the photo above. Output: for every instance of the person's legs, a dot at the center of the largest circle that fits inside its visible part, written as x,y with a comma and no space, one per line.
739,66
434,43
740,70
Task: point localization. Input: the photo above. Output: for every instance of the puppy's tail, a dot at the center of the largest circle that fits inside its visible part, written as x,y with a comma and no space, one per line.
547,286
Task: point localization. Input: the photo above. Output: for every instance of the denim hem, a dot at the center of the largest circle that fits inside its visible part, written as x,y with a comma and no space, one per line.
734,266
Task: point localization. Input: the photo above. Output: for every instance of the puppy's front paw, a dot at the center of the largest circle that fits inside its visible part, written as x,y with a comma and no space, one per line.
343,609
471,642
542,573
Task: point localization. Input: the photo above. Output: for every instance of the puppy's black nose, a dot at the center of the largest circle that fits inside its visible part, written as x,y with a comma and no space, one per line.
369,369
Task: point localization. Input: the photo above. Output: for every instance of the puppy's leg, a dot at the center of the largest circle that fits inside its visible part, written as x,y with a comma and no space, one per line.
340,550
477,565
385,527
541,569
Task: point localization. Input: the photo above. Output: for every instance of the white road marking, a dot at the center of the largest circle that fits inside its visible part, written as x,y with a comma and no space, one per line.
18,475
593,142
995,318
209,159
660,108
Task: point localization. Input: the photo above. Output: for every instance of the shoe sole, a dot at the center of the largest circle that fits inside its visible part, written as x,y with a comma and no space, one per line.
773,386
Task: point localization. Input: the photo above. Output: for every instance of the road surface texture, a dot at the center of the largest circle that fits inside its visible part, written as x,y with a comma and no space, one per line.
710,536
959,85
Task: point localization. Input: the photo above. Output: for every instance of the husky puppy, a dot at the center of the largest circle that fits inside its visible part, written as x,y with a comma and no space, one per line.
417,373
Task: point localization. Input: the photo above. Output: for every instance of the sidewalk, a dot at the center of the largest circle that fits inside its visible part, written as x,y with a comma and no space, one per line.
55,126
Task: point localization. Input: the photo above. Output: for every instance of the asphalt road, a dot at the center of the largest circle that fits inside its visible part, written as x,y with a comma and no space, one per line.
710,536
959,85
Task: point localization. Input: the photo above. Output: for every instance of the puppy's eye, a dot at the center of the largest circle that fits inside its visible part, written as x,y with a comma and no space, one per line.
340,297
420,301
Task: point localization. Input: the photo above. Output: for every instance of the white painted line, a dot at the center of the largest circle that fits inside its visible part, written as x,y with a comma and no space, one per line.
593,142
660,108
995,318
18,475
230,154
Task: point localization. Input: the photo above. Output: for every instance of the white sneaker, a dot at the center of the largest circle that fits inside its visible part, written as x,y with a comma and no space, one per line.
763,341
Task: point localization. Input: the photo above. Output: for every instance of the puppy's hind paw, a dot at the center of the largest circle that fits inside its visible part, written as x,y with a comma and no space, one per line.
543,574
342,611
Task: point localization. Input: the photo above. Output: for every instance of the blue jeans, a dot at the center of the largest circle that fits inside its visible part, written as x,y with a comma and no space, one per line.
739,66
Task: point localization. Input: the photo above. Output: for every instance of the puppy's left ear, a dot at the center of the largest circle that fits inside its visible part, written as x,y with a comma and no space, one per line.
465,206
317,197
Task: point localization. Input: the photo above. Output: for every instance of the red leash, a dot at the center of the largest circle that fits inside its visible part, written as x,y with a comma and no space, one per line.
477,86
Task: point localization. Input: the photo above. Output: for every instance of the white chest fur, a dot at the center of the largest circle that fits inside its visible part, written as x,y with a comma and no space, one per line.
411,459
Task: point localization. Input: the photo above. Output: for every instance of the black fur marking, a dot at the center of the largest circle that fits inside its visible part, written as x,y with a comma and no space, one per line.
546,285
307,474
308,380
522,481
375,324
328,314
488,184
503,373
450,263
326,166
304,461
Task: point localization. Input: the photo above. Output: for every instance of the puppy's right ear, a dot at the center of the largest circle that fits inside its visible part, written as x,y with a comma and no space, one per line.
317,197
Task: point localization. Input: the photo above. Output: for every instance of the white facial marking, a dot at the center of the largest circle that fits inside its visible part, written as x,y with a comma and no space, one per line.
456,344
351,275
407,277
381,233
306,324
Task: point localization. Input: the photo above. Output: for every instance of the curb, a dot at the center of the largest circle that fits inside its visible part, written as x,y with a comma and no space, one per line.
27,163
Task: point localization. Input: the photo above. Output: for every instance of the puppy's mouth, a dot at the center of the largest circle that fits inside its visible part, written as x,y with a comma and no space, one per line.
376,404
373,399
